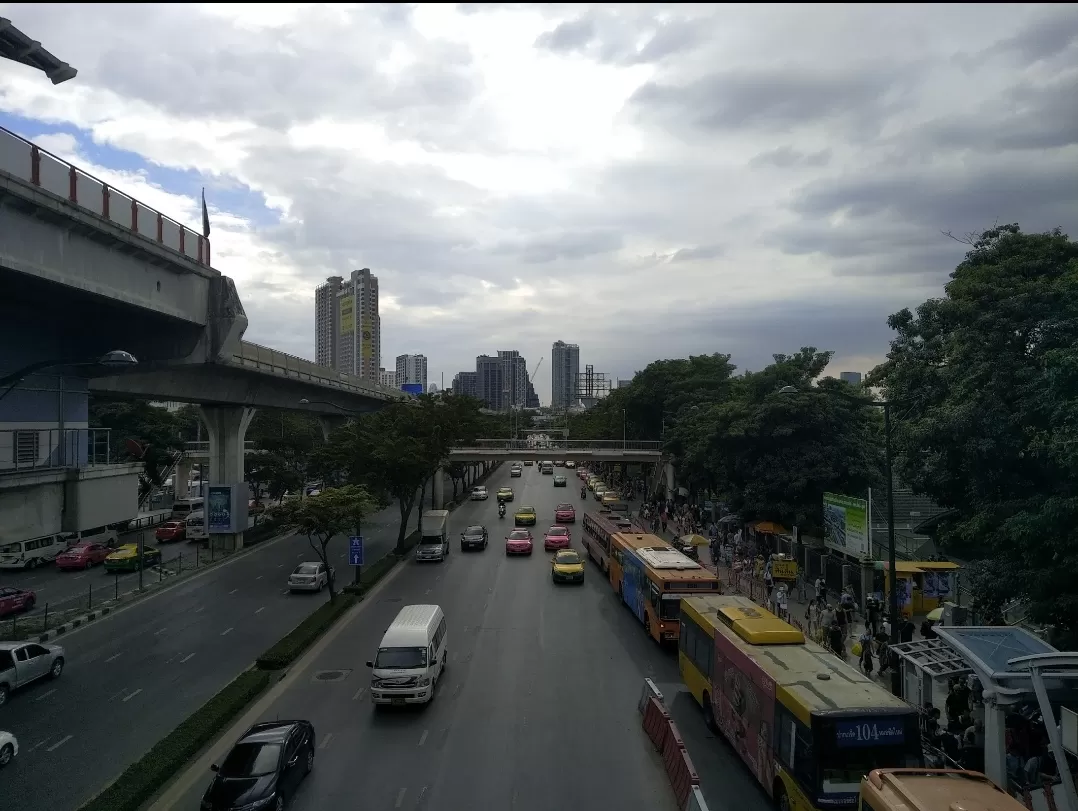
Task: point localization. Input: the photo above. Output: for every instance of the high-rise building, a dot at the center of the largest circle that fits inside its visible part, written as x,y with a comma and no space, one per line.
488,381
348,327
564,368
466,384
388,378
327,322
412,369
853,378
502,381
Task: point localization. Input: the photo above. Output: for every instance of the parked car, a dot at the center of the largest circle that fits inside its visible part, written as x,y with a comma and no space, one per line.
309,576
22,663
171,531
14,600
83,555
264,767
9,747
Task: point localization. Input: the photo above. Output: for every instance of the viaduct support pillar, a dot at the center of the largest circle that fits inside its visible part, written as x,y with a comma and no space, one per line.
329,424
227,427
438,499
181,478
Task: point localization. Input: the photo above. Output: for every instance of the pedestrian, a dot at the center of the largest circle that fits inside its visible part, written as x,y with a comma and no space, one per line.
865,641
837,640
821,589
810,616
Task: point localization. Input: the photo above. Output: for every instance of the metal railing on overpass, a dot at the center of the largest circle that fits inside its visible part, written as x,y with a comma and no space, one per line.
203,447
23,449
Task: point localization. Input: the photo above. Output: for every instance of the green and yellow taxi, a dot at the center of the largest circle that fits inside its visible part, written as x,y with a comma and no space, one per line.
525,517
567,567
505,494
592,481
125,558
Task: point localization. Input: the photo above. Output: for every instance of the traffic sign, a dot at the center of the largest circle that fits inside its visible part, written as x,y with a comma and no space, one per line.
355,550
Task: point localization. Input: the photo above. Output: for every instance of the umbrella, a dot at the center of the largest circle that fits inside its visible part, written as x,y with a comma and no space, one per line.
770,528
936,614
694,540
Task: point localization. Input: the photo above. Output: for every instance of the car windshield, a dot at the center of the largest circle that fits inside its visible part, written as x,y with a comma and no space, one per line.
565,507
526,510
474,531
518,535
251,760
401,658
306,568
567,557
557,531
435,541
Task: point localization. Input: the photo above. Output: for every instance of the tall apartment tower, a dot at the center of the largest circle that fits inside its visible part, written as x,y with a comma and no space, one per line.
488,382
388,378
514,378
564,368
359,333
327,322
412,369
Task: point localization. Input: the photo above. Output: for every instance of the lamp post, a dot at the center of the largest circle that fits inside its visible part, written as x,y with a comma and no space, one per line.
623,442
115,359
892,562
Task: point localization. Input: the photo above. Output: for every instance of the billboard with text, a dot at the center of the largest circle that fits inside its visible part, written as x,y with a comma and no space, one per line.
348,314
845,521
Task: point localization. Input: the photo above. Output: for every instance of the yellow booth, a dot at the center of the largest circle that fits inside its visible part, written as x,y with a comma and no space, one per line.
923,585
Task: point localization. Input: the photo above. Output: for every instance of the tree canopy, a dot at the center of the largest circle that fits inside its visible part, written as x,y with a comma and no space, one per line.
987,377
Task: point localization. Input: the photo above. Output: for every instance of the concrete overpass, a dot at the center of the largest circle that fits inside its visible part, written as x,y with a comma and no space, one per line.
90,270
580,451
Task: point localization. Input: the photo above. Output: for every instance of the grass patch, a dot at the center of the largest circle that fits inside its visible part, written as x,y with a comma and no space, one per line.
289,648
142,779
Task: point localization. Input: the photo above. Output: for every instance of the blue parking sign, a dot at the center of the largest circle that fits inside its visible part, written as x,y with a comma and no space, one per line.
355,550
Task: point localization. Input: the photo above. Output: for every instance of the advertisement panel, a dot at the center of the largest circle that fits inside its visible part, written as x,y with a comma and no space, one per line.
845,522
218,508
348,314
367,347
412,388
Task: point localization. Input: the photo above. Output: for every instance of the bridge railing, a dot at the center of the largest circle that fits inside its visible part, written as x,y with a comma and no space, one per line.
32,164
265,359
23,449
204,446
561,444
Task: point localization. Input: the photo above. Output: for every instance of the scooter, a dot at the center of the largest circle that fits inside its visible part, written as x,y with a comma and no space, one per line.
501,510
583,494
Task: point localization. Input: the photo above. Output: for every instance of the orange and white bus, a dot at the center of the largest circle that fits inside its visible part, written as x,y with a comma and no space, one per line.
598,529
933,790
652,577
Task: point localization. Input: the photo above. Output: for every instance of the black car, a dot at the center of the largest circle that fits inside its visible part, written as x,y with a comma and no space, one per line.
263,769
474,538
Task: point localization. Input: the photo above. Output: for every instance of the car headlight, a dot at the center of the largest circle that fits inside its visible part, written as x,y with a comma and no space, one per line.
424,682
376,682
263,803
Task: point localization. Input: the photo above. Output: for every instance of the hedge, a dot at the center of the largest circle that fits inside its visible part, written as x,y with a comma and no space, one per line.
142,779
290,647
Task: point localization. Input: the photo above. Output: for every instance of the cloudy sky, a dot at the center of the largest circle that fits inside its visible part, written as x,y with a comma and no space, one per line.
645,180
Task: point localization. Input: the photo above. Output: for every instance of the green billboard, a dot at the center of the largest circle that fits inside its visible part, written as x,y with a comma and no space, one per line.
845,521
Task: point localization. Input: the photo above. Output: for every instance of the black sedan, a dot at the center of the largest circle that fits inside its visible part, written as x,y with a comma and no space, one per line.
474,537
264,767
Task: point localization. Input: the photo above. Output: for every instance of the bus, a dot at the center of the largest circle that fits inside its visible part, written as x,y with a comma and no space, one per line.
933,790
598,529
807,725
652,577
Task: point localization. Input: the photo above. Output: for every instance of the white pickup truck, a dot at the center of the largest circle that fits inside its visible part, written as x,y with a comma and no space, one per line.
24,662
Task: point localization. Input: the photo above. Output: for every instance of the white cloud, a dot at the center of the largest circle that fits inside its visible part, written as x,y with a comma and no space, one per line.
645,180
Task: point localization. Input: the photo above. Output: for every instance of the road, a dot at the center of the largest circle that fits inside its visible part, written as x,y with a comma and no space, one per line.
537,710
133,677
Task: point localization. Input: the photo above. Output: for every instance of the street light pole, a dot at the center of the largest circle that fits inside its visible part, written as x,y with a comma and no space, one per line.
892,558
623,442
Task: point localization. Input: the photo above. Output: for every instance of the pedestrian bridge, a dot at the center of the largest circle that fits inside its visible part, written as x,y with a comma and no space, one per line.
587,450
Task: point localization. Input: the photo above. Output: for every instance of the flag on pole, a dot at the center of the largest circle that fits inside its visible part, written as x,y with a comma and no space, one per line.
205,215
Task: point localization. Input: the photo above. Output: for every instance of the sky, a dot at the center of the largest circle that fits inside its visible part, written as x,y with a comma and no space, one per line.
645,180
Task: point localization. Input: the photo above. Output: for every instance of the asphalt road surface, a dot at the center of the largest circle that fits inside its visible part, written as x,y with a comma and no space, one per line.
536,711
134,676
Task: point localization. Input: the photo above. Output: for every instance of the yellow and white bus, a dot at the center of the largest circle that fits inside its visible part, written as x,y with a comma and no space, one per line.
808,725
933,790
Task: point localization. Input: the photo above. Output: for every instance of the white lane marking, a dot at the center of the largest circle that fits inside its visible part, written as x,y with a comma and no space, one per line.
132,695
359,693
400,798
233,591
259,577
280,566
186,658
38,745
325,740
59,743
428,591
113,658
80,576
299,556
200,609
285,591
226,631
160,631
423,737
260,610
45,695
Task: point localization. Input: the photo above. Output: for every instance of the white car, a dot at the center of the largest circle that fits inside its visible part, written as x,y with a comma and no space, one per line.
24,662
309,576
9,747
479,494
569,463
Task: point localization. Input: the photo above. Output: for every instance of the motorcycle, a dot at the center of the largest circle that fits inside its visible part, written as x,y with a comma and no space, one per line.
583,494
501,510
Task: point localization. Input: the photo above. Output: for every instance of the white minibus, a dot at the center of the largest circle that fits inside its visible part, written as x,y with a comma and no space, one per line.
31,553
411,657
183,507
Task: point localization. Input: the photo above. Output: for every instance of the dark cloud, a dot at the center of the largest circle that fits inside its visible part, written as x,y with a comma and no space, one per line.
614,37
1045,38
786,157
570,36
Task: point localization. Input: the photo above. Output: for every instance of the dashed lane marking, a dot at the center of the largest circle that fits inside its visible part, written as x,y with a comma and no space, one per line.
45,695
59,743
423,737
132,695
325,740
187,658
400,798
260,610
226,631
359,694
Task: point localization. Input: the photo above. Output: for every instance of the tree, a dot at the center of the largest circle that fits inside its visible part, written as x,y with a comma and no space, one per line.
285,443
988,377
336,511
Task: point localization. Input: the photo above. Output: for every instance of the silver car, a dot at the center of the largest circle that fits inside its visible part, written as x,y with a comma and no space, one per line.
24,662
309,576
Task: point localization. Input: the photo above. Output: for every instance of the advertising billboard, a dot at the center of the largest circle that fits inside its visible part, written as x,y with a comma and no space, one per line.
845,521
226,508
367,346
348,314
412,388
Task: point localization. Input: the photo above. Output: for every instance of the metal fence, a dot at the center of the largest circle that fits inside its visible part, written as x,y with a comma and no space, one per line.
51,448
104,589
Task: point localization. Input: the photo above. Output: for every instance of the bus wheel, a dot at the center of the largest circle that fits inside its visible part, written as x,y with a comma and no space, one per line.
782,800
709,714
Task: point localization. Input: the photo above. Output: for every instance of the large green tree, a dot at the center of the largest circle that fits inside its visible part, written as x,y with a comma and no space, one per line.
988,379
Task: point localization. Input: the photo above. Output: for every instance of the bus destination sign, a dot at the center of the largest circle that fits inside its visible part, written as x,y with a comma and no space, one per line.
870,732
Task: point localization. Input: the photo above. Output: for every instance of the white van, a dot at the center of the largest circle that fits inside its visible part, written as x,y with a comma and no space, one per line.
411,658
195,525
102,535
183,507
434,542
31,553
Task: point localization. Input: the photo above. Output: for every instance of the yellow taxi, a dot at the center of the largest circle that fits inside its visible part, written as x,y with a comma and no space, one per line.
525,516
125,558
505,494
567,567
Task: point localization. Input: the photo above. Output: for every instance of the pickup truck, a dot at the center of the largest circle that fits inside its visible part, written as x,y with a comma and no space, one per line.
24,662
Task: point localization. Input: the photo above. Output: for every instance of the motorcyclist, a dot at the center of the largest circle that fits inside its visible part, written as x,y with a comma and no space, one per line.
501,509
583,492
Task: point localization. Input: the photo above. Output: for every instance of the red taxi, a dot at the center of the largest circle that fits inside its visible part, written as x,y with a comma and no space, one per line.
13,600
565,514
82,555
556,538
171,531
519,542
